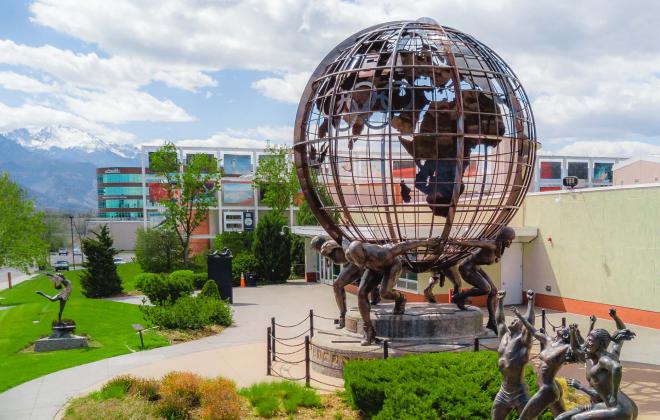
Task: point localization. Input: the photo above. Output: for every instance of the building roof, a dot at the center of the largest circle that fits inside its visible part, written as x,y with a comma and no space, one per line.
627,162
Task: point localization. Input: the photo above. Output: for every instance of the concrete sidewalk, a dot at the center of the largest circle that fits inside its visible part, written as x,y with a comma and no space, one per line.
239,353
17,277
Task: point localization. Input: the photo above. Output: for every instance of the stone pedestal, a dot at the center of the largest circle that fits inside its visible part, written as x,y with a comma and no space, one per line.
62,338
424,328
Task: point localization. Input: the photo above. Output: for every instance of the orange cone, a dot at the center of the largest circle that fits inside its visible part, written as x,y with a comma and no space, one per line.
242,279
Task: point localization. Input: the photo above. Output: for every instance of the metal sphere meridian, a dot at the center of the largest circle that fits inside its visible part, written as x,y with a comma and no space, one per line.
412,130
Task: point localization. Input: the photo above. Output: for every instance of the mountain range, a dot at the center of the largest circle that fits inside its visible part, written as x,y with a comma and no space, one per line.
57,165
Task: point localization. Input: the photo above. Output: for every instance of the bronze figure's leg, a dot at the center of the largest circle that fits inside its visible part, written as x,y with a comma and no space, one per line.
544,397
345,277
428,292
483,285
59,316
390,276
573,412
500,411
374,296
369,281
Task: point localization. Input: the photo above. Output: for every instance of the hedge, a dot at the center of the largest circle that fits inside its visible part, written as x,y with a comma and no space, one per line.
429,386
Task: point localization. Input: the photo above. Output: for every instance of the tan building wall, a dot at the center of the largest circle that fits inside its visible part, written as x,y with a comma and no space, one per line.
597,246
640,172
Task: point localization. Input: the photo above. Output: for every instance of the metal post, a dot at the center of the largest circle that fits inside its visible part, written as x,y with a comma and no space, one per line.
141,340
73,256
307,376
543,319
563,322
9,278
311,322
272,337
268,351
476,343
542,331
386,349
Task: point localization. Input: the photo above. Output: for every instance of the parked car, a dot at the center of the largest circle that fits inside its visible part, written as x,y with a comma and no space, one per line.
118,261
61,265
77,251
63,251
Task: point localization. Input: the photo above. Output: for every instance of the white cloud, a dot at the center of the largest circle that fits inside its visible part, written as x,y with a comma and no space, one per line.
608,149
15,81
257,137
285,89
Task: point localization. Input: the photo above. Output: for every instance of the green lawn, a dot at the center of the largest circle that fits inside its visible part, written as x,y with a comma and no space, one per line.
107,325
127,273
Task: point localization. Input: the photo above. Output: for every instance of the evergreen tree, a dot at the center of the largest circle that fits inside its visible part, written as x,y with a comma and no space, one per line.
100,279
272,248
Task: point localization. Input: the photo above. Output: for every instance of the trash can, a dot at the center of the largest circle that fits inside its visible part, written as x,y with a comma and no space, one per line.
251,279
219,264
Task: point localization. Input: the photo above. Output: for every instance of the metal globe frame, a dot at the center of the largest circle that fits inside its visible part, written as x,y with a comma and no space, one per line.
412,130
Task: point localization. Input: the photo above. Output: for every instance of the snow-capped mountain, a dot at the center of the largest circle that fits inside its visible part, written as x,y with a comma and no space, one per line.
71,143
57,165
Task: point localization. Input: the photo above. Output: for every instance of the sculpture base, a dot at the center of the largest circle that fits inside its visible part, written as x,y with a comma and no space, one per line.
60,343
424,328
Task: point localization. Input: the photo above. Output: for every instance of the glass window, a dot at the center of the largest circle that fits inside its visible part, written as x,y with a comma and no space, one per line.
235,165
407,281
550,170
117,178
579,170
108,191
120,203
602,173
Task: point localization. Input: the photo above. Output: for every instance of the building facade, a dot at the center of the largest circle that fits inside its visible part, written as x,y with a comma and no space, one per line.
638,170
591,172
120,193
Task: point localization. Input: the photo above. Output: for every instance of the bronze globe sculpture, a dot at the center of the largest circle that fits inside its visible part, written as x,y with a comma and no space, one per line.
410,130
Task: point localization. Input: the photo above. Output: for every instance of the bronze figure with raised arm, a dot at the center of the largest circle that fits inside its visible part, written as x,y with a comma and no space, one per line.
489,252
383,259
551,358
603,371
58,281
349,273
514,348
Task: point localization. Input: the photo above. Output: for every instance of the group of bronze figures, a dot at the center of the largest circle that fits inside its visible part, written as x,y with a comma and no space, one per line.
372,265
600,351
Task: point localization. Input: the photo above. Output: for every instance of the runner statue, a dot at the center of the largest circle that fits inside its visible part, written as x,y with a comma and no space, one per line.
490,251
514,348
383,259
58,280
438,277
552,357
349,273
604,375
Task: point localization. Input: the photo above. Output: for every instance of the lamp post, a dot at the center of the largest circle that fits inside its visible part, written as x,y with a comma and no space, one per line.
73,255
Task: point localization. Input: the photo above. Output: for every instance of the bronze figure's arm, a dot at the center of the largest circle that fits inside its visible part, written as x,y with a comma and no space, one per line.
544,339
592,324
531,318
484,243
621,334
574,383
403,247
576,341
499,314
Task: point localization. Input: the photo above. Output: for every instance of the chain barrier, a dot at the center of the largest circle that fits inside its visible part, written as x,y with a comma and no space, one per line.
294,325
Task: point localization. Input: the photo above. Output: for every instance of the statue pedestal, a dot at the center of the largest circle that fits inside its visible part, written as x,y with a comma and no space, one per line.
62,338
424,328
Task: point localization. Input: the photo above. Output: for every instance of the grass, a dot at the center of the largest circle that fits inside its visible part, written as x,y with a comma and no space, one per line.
108,325
127,273
269,398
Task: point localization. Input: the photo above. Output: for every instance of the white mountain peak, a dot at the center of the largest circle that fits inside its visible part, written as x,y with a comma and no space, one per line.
62,137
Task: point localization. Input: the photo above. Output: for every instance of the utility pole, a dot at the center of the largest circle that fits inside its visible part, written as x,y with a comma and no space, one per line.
73,255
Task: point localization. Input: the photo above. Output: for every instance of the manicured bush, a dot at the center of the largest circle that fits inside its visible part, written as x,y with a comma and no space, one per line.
100,278
198,263
199,280
272,249
238,242
210,290
271,398
189,313
162,289
243,263
158,250
443,385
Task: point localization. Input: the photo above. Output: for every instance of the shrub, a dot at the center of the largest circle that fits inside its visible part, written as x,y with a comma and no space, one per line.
210,290
147,389
272,249
100,278
219,400
242,263
198,263
189,313
199,280
158,250
116,387
269,398
180,394
441,385
238,242
297,256
161,289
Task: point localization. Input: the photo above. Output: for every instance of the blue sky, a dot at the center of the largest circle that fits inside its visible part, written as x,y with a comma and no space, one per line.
230,73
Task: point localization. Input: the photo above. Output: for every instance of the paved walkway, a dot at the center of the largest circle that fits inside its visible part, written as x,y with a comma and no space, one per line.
239,353
16,277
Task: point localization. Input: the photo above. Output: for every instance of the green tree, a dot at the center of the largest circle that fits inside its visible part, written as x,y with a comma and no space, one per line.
190,190
21,227
237,242
54,233
276,177
272,248
158,249
100,278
